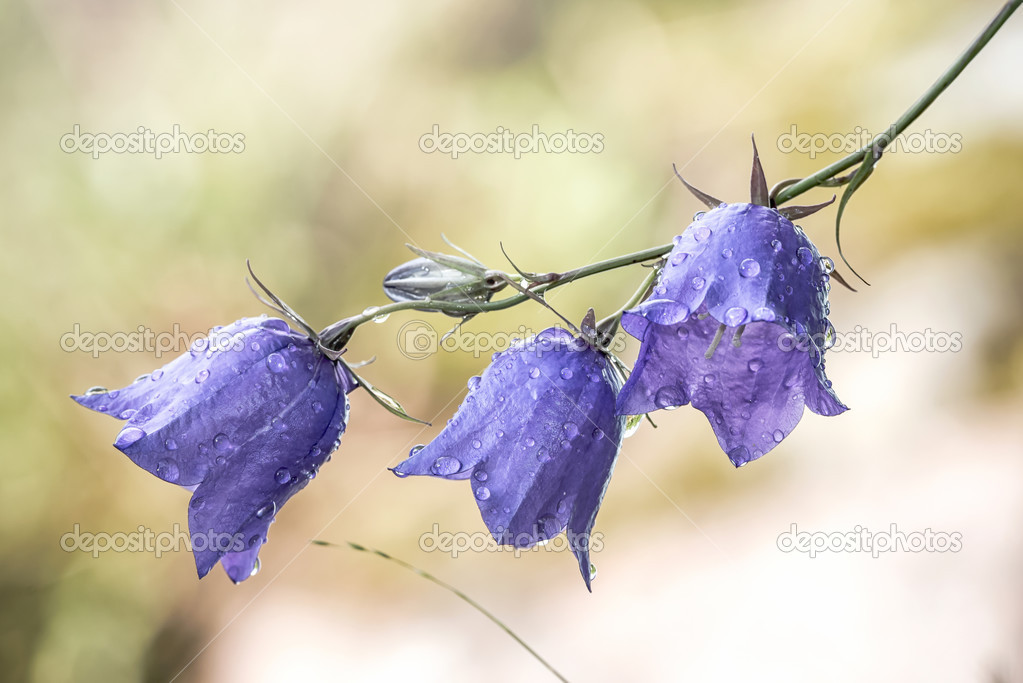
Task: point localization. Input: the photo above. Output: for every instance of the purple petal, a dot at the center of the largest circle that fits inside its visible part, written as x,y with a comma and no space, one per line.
243,420
753,395
537,437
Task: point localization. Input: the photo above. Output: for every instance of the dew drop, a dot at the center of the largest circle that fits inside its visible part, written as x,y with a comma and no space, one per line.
701,233
276,363
480,475
735,316
755,365
128,436
749,268
445,465
167,470
726,253
566,373
128,413
764,313
778,436
669,397
317,407
221,443
202,376
776,245
157,374
542,455
171,445
698,283
482,493
805,255
476,443
268,509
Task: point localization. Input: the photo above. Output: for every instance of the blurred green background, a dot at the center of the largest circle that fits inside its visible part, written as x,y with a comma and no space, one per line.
332,99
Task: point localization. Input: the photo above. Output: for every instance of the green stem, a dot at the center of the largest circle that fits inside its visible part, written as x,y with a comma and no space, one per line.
472,308
911,114
609,325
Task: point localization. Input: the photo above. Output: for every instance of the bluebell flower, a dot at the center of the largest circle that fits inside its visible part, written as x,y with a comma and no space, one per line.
243,420
737,325
537,438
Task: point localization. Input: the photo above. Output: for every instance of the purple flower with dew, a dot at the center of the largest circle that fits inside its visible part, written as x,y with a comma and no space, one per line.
537,437
745,274
243,420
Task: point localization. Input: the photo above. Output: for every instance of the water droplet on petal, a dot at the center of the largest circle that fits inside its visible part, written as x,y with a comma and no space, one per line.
171,445
598,433
701,233
317,407
473,382
805,255
482,493
755,364
678,257
735,316
202,376
476,443
128,436
764,313
827,265
268,509
749,268
547,526
167,469
669,397
282,476
698,283
534,373
276,363
480,475
739,455
727,253
445,465
542,455
197,503
278,424
128,413
157,374
778,435
221,443
566,373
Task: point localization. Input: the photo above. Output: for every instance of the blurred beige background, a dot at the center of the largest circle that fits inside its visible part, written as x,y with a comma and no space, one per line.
332,99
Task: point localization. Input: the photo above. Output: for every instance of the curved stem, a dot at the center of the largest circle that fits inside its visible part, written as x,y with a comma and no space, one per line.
475,307
882,140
